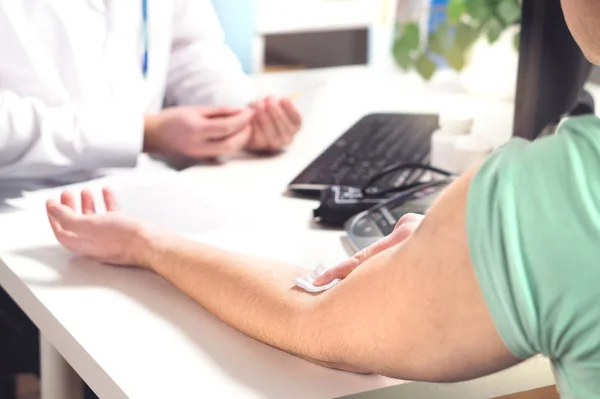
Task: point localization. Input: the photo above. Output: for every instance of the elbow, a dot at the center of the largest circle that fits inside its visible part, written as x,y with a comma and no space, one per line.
338,366
322,352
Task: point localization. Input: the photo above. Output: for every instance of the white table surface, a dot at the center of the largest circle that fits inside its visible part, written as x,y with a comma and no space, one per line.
130,334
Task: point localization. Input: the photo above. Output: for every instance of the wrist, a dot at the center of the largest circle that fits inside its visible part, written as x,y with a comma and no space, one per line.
151,132
146,245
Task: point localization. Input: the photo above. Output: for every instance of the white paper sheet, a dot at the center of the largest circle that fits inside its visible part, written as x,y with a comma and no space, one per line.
307,282
165,198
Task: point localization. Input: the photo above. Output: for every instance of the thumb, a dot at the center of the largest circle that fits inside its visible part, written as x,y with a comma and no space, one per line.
341,271
400,234
409,218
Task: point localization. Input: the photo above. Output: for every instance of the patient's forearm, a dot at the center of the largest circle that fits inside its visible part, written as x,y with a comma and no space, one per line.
254,295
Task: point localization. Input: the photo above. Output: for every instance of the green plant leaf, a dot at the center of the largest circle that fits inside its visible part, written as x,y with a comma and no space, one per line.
406,45
412,36
455,10
425,67
465,36
508,12
494,28
517,41
455,57
439,39
402,54
479,10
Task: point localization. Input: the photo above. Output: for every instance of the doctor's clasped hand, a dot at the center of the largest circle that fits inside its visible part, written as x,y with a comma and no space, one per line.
274,125
197,132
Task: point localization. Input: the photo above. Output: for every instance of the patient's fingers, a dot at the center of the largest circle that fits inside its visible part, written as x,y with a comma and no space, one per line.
409,218
339,272
110,200
87,203
68,219
67,198
55,216
405,227
56,227
349,265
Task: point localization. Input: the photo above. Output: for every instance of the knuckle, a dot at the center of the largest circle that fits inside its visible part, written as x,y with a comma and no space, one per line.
409,218
189,124
406,217
402,232
362,255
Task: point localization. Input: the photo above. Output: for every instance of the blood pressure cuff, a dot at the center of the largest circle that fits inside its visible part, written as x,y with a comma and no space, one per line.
533,222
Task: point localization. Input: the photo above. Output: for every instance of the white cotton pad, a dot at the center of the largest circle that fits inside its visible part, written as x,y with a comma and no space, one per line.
306,282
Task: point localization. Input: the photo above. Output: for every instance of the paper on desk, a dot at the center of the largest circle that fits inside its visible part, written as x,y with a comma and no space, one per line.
166,198
16,191
37,198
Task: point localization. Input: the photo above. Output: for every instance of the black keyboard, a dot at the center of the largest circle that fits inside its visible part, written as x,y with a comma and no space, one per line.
374,143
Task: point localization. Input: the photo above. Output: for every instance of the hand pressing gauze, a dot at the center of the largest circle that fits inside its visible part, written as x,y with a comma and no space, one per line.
307,282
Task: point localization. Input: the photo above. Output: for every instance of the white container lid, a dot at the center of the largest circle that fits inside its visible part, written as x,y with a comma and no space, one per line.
456,122
470,151
474,143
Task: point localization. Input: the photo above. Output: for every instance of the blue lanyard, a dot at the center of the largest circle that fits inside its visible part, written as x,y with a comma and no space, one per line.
145,37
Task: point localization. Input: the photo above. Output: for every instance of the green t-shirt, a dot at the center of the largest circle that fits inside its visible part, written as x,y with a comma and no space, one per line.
533,220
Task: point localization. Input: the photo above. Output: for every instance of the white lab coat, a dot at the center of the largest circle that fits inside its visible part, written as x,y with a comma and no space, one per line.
72,91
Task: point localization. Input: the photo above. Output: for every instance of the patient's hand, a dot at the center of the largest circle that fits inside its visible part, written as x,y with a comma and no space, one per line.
112,237
405,227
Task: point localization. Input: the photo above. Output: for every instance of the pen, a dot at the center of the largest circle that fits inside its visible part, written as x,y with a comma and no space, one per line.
145,37
300,93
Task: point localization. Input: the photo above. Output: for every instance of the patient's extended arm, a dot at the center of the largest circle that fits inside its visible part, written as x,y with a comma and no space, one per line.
412,311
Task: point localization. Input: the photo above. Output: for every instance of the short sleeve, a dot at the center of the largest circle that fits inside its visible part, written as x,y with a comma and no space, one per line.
533,222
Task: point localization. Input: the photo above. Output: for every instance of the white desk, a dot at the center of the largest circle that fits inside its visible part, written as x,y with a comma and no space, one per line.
130,334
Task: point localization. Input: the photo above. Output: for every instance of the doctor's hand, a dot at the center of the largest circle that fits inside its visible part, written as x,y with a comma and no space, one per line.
405,228
275,124
197,133
111,237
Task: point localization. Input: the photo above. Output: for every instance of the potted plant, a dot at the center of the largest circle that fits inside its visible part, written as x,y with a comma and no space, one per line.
470,24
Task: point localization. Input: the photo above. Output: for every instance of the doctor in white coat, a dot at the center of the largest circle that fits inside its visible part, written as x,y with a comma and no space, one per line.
84,85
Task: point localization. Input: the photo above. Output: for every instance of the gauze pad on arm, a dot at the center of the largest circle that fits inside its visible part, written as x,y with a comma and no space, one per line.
307,282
